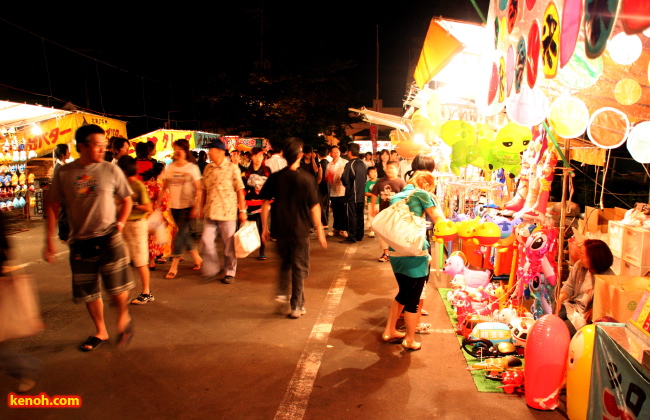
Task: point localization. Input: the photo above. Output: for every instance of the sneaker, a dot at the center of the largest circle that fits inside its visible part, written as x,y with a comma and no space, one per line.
371,234
295,313
228,280
343,233
142,299
284,308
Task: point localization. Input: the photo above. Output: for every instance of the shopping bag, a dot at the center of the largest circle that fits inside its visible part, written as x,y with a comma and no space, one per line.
400,229
155,220
20,315
247,239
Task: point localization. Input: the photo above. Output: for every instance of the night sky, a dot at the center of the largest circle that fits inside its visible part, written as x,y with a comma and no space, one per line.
161,60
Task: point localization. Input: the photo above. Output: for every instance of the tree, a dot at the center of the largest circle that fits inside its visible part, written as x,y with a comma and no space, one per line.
299,102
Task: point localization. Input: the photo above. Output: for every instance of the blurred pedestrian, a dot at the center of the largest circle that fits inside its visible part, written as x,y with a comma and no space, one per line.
223,204
323,186
354,179
255,177
372,203
142,160
382,163
295,209
120,147
337,193
182,181
309,163
275,162
136,228
61,156
89,188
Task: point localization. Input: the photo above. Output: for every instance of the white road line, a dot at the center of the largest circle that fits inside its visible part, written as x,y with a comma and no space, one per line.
294,403
10,268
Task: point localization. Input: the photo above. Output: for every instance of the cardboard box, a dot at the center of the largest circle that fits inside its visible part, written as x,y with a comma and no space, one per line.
618,296
596,220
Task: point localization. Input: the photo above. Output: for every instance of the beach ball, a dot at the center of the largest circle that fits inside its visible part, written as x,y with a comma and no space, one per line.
569,117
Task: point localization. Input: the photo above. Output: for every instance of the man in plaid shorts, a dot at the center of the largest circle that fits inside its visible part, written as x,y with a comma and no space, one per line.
97,200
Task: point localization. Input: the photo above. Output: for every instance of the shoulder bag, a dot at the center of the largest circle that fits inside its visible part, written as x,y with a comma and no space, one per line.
400,228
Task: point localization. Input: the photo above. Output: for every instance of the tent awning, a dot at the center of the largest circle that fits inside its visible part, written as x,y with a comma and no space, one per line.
383,119
440,47
13,114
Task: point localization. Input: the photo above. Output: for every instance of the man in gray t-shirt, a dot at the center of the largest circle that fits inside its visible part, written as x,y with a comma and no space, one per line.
90,187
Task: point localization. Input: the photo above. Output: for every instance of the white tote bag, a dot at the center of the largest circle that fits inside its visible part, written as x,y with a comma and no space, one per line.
20,315
400,229
247,239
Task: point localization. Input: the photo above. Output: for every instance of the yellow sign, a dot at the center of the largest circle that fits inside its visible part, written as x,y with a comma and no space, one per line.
61,131
164,139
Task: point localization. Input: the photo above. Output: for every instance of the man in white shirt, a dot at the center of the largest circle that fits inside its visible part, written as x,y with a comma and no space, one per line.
275,162
337,193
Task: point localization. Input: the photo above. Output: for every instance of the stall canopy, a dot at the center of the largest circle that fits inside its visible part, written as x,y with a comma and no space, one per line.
14,114
439,48
163,139
61,129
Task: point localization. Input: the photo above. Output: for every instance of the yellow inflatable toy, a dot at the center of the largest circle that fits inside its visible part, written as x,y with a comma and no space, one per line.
578,376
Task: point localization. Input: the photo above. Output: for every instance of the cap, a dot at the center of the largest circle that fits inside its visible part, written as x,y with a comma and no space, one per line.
217,144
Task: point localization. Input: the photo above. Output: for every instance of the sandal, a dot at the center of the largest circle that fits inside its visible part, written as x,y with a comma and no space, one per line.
423,328
383,258
171,275
124,338
197,267
142,299
161,260
91,343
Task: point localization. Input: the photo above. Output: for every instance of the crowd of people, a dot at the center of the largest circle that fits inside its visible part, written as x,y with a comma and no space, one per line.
117,212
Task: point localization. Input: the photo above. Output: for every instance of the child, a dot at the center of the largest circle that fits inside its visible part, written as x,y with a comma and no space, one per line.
385,189
136,229
372,180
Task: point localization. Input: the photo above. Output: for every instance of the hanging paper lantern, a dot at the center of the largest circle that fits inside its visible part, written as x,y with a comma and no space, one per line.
625,49
627,92
551,41
569,117
639,142
571,20
600,18
529,107
608,128
581,71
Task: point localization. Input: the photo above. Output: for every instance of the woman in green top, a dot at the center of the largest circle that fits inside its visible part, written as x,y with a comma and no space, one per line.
411,272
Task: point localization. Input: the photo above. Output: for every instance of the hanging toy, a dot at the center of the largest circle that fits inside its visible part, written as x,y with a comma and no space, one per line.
14,179
22,155
486,234
445,230
542,293
30,178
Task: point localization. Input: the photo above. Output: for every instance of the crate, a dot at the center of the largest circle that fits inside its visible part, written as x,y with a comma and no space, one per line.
616,232
636,246
596,220
630,269
616,265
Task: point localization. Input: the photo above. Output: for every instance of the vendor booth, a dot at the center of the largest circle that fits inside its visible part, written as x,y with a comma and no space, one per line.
503,108
164,139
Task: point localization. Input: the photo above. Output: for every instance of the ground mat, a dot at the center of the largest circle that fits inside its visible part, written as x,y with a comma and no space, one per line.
482,383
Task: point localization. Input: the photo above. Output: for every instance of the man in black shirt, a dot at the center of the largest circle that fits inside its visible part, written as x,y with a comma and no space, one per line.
295,202
354,179
323,186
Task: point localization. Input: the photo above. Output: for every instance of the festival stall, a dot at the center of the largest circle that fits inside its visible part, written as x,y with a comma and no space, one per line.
164,139
503,108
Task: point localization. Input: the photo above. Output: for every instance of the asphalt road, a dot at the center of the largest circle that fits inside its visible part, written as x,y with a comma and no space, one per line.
203,349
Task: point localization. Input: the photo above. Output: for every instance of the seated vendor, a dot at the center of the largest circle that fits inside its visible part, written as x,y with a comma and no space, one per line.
576,296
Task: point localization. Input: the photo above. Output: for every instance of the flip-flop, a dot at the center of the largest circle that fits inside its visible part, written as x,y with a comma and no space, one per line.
124,338
197,267
92,343
171,275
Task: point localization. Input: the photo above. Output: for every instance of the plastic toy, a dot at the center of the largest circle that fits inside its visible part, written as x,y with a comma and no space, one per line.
511,140
512,380
520,328
466,227
474,279
445,230
546,358
578,378
486,234
499,364
542,292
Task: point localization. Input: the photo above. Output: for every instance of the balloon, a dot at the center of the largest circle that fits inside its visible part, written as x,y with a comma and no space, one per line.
473,278
423,128
460,135
466,227
546,359
408,149
578,378
512,139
